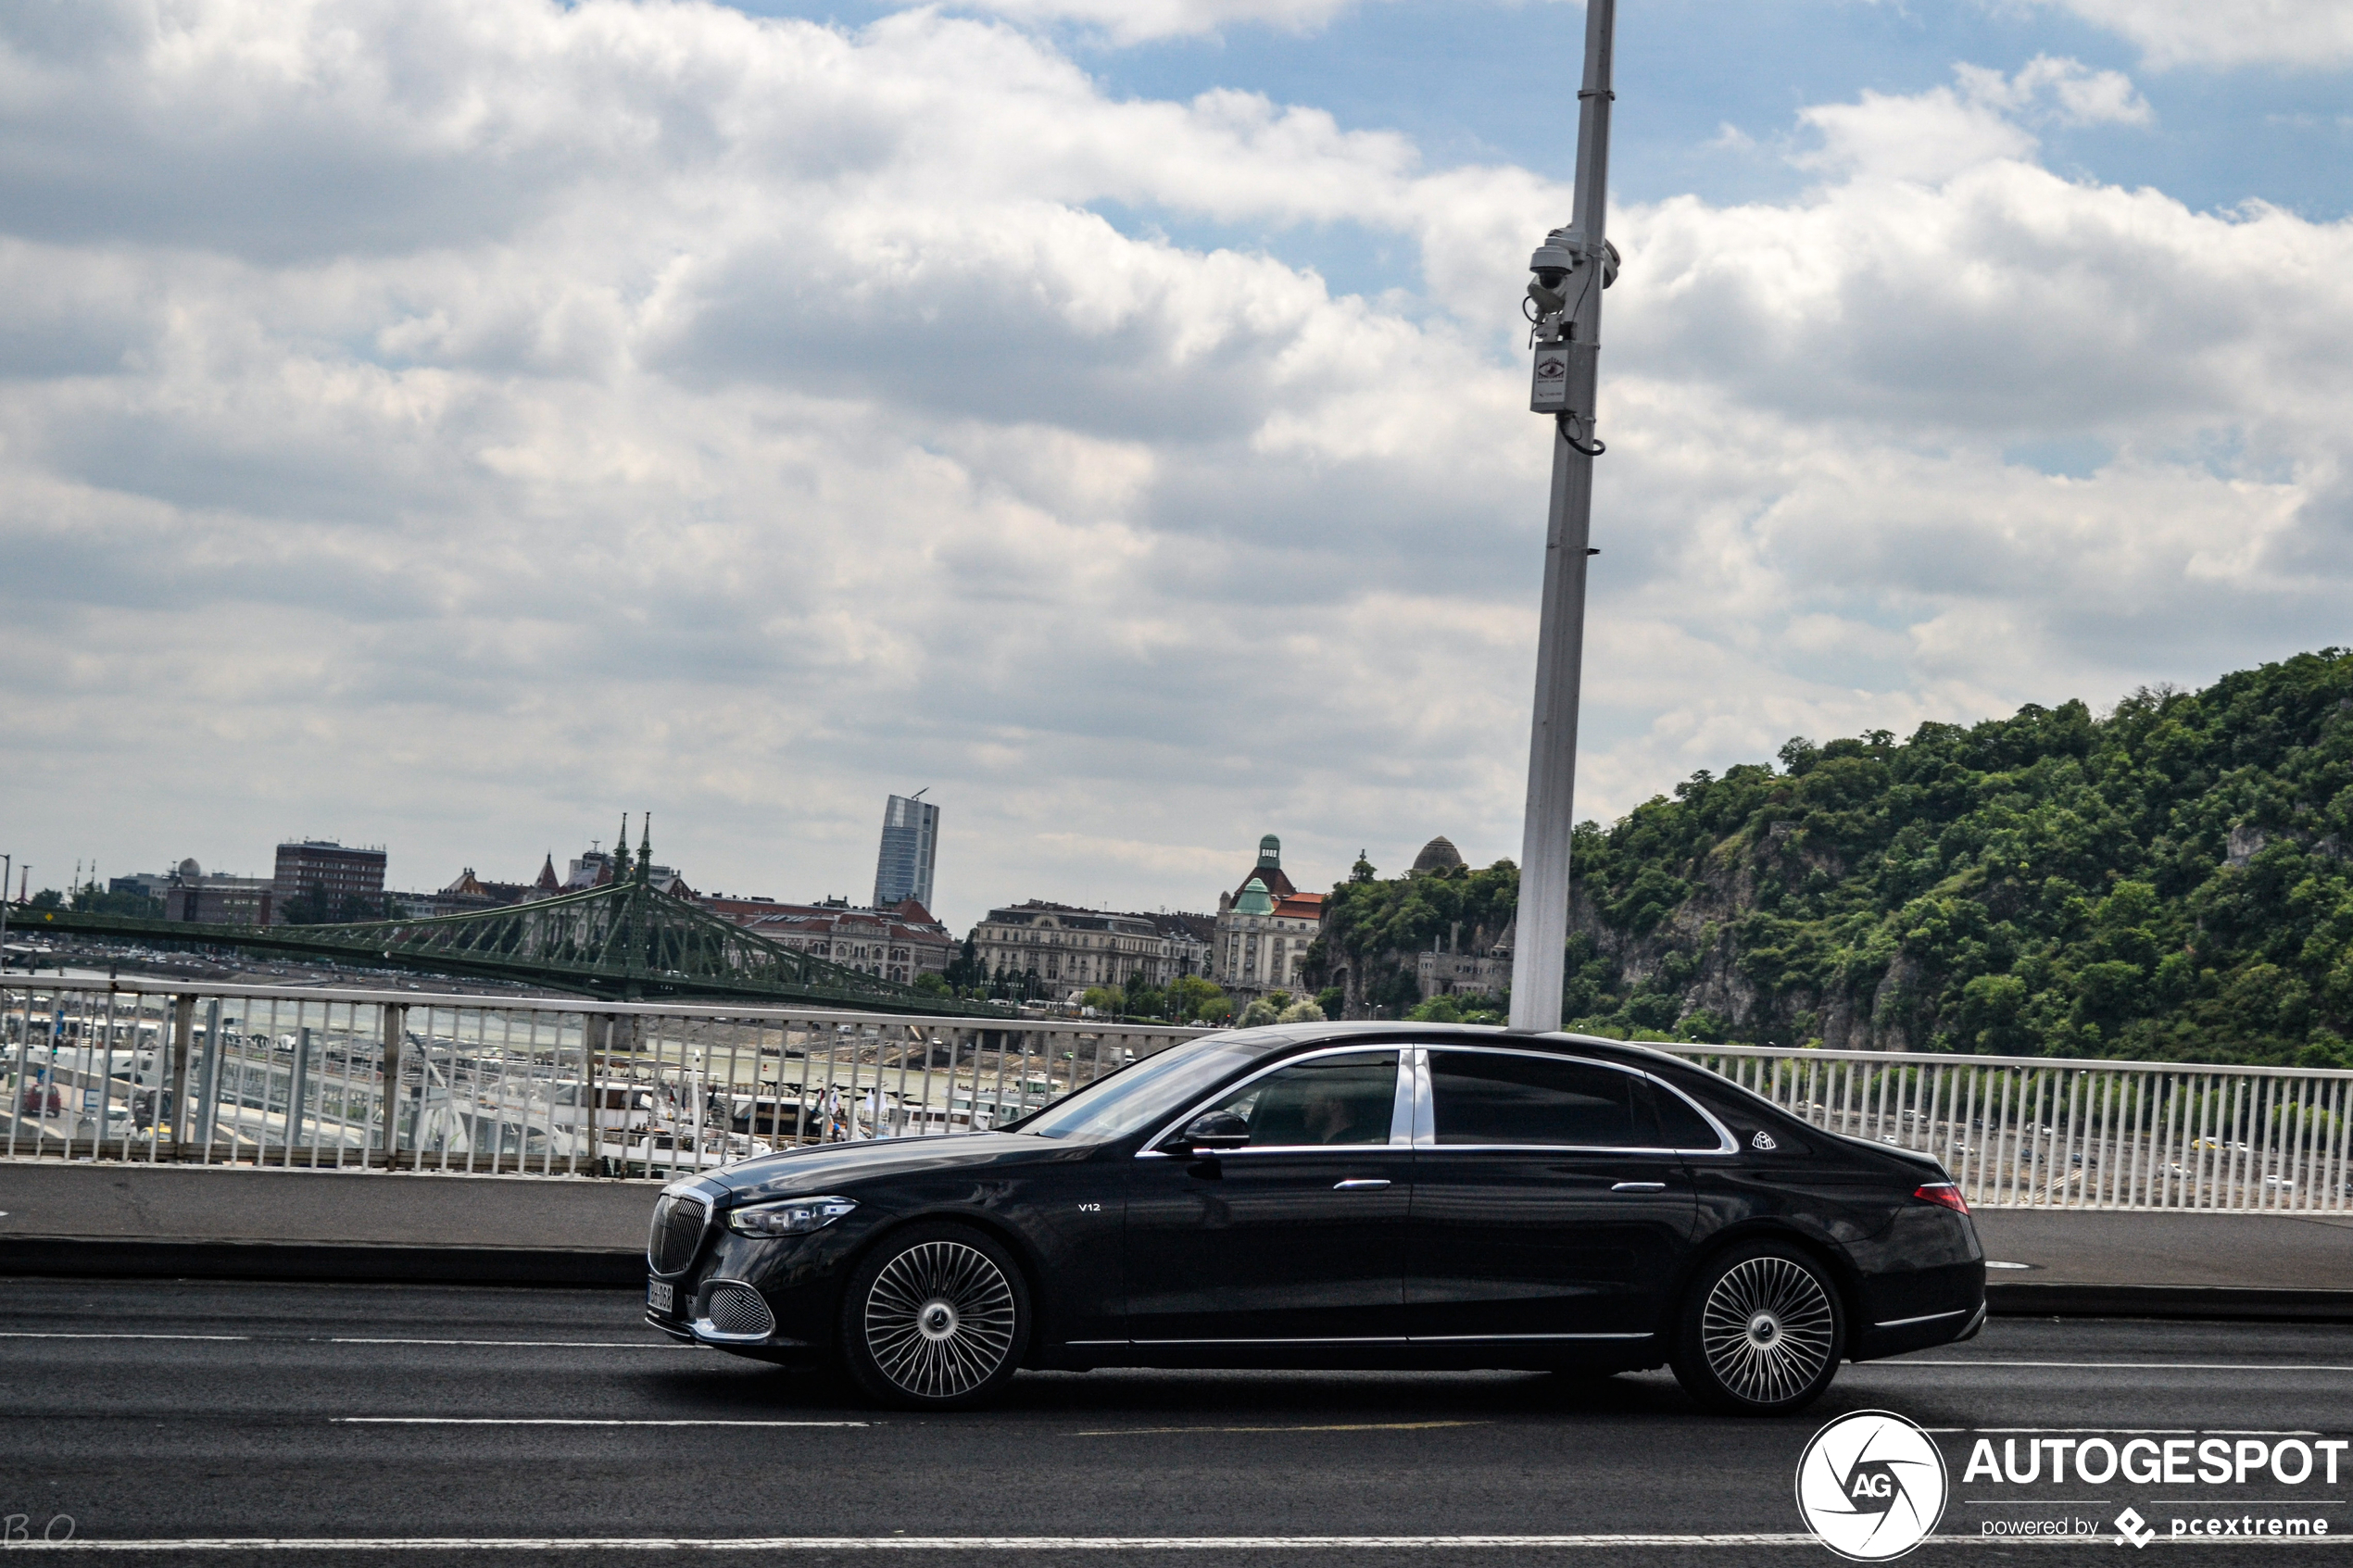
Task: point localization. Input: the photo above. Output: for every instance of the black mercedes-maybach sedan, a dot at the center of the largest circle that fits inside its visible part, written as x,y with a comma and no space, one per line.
1338,1195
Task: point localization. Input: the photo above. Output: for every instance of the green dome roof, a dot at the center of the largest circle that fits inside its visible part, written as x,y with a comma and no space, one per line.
1254,899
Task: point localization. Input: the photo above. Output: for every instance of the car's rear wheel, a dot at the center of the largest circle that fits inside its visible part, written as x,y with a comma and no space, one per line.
1761,1331
937,1318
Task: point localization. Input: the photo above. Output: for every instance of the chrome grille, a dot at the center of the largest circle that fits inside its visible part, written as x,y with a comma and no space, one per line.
677,1233
738,1309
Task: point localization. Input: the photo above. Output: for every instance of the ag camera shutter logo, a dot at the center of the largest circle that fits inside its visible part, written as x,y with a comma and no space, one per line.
1871,1485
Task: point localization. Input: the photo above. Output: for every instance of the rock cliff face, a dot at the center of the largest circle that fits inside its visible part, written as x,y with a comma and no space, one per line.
2167,880
1693,956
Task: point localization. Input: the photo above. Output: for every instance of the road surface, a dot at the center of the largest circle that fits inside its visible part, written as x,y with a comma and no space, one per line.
364,1420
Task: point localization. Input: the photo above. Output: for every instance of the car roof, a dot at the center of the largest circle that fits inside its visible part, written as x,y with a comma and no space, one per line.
1467,1034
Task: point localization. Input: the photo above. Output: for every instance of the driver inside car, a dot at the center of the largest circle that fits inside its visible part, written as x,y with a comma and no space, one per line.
1336,1112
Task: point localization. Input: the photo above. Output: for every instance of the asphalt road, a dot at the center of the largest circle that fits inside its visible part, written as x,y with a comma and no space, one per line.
361,1420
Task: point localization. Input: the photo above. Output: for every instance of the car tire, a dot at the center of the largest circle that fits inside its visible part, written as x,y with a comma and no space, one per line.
936,1318
1760,1332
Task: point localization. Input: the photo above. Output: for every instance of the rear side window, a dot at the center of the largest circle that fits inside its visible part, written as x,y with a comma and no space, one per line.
1491,1098
1757,1126
1680,1126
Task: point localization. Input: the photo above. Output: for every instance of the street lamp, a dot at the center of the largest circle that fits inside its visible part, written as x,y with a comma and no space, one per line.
1571,268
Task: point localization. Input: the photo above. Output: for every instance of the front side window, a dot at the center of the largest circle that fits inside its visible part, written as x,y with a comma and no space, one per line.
1120,1102
1346,1099
1494,1098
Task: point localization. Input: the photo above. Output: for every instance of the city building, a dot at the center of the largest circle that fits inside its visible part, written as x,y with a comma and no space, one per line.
328,876
470,893
910,839
600,866
900,944
592,869
1074,948
191,895
1437,855
1447,971
1264,930
1191,942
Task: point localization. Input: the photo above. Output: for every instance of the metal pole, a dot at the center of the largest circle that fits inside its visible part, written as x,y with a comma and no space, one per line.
1541,932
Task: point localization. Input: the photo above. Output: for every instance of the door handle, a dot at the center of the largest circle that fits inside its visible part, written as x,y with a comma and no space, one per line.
1639,1187
1362,1183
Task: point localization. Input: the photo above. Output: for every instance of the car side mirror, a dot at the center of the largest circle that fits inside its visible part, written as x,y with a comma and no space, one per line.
1207,1134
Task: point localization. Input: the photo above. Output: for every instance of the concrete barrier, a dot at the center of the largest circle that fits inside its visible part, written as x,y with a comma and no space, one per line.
111,1220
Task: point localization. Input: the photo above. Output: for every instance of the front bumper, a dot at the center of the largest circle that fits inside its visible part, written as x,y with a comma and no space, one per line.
677,1328
797,1277
699,1329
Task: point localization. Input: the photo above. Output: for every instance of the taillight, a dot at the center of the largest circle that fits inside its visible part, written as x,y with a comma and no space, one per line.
1944,1193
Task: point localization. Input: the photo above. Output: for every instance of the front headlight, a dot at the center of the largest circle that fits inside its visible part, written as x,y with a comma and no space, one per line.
793,1216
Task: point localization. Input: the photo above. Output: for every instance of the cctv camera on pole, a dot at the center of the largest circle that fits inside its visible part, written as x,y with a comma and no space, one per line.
1572,266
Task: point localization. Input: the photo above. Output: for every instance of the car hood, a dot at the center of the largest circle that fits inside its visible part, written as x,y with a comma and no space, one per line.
827,1167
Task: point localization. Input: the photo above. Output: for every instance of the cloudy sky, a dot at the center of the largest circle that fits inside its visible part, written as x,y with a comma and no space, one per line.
448,423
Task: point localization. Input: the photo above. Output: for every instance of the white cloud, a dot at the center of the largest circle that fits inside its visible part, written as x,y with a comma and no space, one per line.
2066,91
446,423
2300,34
1984,117
1133,21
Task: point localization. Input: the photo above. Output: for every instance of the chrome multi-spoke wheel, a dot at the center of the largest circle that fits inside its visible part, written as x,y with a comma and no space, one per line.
1764,1335
940,1319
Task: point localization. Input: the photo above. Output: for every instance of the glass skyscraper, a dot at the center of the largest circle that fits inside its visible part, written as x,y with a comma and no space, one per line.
910,836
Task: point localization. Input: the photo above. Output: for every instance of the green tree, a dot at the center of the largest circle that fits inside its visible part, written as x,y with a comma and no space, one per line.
2170,880
1193,1000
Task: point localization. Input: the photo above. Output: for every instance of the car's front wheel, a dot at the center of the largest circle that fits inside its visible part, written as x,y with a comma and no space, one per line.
937,1318
1760,1332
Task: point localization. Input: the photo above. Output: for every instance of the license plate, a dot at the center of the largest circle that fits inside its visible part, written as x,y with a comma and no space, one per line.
658,1295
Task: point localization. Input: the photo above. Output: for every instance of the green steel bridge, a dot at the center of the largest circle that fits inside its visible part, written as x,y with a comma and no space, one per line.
626,941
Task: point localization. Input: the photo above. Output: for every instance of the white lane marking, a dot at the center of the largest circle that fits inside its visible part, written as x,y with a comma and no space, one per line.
555,1421
1351,1427
220,1338
2132,1366
2118,1431
544,1344
2149,1431
1016,1543
939,1543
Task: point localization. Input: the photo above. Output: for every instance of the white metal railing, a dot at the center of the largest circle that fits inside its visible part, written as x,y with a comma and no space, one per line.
202,1073
178,1073
2053,1134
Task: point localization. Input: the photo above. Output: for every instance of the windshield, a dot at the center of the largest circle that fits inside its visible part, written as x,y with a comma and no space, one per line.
1158,1085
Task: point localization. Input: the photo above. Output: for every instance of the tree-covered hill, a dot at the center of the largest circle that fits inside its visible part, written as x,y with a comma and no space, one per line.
2174,879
